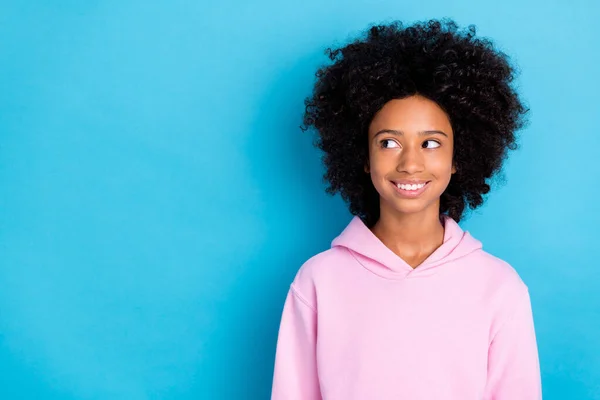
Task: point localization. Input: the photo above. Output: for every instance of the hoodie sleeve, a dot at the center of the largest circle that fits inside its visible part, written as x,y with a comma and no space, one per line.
295,375
513,362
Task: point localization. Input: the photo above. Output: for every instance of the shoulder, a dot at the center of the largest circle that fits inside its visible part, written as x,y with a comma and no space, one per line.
315,269
500,272
320,263
506,293
495,271
500,282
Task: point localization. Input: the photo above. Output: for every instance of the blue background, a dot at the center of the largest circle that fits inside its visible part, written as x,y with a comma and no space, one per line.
157,196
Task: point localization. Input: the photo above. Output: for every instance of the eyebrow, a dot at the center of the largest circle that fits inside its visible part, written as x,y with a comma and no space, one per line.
400,133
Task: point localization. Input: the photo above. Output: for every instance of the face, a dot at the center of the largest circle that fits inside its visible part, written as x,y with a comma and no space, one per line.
410,155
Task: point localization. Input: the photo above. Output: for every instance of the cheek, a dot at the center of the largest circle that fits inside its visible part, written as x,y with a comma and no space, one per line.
381,165
440,166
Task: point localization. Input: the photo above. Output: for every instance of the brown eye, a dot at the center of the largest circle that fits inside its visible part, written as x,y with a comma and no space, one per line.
389,144
436,144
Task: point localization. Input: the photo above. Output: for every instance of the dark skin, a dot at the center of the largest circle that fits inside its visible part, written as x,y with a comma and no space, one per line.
410,139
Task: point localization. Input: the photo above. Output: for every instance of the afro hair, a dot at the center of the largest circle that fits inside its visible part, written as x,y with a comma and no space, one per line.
465,75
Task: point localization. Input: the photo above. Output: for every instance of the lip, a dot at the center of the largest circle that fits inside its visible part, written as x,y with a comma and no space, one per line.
410,194
410,181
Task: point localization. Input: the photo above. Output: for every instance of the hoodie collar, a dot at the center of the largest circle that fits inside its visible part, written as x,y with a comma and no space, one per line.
379,259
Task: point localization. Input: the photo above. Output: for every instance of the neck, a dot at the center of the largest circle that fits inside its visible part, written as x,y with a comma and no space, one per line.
411,234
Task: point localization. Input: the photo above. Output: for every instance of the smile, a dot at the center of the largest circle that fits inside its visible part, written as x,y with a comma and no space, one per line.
410,191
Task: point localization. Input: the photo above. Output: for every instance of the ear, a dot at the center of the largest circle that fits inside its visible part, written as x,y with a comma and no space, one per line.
367,168
453,169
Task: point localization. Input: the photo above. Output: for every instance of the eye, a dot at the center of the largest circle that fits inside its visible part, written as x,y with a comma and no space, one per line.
389,144
435,142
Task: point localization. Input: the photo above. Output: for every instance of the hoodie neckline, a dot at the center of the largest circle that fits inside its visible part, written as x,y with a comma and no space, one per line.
375,256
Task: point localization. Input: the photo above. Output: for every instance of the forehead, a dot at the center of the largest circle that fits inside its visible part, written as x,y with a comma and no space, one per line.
411,114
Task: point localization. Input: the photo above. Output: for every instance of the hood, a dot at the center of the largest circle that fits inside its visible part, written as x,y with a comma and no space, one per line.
378,258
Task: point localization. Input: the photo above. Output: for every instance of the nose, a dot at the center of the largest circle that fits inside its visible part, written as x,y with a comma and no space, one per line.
410,160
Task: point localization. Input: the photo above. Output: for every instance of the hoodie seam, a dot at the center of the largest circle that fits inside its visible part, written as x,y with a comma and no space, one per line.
435,271
352,253
509,319
296,293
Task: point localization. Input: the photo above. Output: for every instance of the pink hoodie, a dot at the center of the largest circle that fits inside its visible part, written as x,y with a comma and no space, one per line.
360,323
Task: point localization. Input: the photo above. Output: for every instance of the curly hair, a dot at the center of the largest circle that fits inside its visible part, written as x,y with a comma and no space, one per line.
465,75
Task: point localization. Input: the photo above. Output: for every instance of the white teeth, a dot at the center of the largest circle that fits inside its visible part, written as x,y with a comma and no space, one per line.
410,187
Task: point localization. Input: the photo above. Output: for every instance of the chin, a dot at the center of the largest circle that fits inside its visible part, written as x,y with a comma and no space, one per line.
408,206
409,210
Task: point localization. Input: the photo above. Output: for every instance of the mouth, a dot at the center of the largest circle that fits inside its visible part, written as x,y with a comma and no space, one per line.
410,191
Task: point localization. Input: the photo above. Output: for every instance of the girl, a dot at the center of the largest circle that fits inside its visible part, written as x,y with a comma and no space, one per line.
413,122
